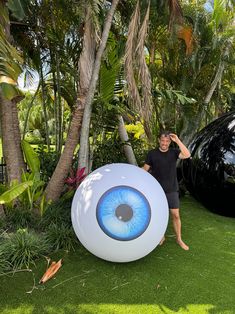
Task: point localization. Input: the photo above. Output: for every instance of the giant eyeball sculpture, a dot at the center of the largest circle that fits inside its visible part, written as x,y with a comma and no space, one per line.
119,213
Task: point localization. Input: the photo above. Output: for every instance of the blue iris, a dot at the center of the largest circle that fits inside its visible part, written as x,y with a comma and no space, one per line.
123,213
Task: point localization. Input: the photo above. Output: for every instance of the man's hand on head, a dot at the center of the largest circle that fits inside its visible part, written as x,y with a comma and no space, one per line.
174,137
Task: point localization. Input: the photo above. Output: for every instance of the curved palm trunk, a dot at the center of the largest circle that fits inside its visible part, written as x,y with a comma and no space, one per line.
56,184
86,61
127,146
84,147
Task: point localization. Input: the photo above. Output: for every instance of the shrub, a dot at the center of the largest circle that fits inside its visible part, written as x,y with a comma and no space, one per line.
58,213
61,237
48,162
20,249
17,218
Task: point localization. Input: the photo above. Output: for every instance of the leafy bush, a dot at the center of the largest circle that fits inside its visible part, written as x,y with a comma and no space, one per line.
20,249
48,162
110,151
18,217
61,237
58,212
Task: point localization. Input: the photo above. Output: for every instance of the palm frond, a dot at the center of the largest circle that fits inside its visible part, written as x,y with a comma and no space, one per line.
144,74
109,70
176,14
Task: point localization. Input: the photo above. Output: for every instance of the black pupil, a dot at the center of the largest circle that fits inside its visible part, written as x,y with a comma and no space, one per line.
124,212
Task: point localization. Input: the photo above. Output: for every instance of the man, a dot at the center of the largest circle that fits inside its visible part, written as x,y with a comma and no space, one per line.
162,163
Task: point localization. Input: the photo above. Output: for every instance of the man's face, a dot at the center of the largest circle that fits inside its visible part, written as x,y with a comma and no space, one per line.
164,143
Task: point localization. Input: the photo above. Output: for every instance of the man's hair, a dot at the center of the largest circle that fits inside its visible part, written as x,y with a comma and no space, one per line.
164,133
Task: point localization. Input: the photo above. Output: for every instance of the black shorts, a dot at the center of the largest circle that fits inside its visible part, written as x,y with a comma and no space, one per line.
173,199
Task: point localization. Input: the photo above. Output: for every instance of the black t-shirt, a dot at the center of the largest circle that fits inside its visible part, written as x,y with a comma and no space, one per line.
163,168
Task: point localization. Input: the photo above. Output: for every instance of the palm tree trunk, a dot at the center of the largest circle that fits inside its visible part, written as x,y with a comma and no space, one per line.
11,140
84,147
86,62
56,183
127,146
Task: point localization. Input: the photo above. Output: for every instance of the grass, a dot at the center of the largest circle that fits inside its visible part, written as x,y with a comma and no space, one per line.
167,281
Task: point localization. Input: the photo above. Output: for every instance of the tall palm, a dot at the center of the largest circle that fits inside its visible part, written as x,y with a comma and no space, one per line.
9,116
86,61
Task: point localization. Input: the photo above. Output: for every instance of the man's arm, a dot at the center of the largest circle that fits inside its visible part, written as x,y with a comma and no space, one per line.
184,152
146,167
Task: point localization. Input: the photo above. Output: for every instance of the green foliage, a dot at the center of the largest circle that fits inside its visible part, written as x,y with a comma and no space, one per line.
108,151
9,56
136,129
17,8
30,190
22,248
31,157
18,217
32,196
10,91
56,222
48,161
16,190
61,236
110,68
58,213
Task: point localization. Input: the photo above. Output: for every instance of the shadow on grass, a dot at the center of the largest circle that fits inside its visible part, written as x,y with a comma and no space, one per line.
169,280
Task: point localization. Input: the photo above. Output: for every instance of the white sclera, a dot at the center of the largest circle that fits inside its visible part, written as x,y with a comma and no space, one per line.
84,219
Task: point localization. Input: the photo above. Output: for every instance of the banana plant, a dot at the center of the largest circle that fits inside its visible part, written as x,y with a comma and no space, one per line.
14,191
30,191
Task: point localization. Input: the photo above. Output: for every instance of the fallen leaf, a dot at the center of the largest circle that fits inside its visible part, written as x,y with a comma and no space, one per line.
51,271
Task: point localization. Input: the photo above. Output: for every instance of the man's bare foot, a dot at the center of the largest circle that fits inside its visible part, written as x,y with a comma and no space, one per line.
162,241
183,245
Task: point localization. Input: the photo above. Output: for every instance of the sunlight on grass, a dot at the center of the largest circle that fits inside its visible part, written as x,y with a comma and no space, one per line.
141,309
118,309
24,309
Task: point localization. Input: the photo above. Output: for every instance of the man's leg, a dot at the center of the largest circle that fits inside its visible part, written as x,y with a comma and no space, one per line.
177,227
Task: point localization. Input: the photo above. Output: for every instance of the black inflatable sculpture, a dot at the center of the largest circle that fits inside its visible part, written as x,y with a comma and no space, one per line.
210,174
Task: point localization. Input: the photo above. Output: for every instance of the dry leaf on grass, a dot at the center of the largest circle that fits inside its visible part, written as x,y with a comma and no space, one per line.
51,271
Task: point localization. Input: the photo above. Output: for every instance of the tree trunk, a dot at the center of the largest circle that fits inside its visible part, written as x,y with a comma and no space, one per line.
11,140
124,138
86,62
56,183
84,147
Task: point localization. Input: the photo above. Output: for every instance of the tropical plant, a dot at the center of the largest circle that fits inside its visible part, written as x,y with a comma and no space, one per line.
76,177
21,249
20,217
61,237
30,190
58,212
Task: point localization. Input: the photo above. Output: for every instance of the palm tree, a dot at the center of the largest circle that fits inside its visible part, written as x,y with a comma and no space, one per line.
9,116
83,152
86,61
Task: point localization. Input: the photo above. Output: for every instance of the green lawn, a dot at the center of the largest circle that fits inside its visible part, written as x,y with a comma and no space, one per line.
167,281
